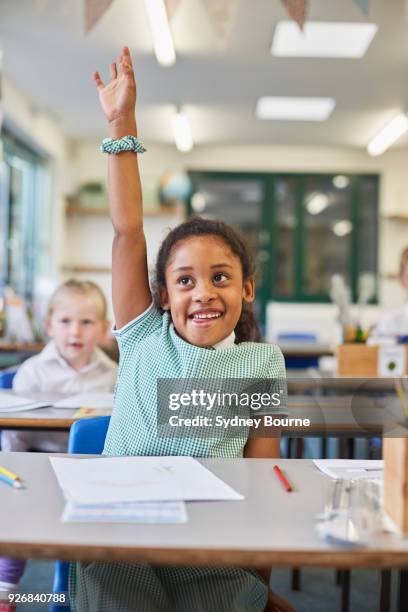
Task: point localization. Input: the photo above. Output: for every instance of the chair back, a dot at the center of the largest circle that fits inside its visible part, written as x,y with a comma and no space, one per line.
6,377
87,436
299,363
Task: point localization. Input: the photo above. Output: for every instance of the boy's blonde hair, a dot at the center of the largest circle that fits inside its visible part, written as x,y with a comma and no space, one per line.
403,260
77,288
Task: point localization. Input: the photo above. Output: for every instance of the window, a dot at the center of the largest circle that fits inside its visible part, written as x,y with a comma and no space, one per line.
24,216
303,228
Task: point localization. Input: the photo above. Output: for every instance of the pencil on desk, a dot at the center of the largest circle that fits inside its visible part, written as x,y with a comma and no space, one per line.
9,474
282,479
16,484
401,396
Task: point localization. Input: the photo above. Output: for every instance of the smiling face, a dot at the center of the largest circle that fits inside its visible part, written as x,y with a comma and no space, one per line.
76,324
205,289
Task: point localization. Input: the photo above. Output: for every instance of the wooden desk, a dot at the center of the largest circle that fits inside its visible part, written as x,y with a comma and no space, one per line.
306,381
12,354
269,528
305,349
348,415
18,347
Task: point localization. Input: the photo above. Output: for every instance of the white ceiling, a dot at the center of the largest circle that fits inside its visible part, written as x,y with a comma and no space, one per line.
48,56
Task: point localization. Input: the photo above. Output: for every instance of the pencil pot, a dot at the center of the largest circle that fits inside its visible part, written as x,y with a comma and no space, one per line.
395,452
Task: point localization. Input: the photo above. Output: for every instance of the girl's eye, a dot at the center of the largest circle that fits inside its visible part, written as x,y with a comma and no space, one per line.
87,322
65,321
185,281
218,278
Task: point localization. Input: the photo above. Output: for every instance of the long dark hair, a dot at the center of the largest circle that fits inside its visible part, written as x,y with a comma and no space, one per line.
247,327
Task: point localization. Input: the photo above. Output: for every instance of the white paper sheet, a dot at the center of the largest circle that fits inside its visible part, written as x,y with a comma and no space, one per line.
351,468
130,479
13,403
88,400
134,512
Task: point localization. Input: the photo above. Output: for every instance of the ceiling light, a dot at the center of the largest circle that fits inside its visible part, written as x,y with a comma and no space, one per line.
322,39
182,132
294,109
317,203
160,29
340,181
342,228
388,135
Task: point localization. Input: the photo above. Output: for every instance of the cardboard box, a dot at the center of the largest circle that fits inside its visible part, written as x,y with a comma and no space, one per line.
395,452
356,359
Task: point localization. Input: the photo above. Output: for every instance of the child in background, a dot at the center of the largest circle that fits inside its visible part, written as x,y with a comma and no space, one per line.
70,363
200,325
395,323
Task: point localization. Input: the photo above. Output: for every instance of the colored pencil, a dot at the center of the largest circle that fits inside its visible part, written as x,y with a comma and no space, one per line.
282,479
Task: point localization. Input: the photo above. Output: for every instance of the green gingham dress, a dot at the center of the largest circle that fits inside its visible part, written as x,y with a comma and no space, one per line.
151,349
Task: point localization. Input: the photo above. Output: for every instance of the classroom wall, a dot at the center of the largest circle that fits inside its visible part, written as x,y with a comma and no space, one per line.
88,240
44,134
88,164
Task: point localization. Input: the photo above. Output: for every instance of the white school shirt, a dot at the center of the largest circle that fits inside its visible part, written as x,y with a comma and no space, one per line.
49,372
394,323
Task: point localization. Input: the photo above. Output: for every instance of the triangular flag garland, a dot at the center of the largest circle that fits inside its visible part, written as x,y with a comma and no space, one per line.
221,14
94,9
297,10
171,7
364,5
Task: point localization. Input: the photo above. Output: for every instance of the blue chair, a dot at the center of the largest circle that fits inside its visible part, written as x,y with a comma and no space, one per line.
87,437
6,377
299,362
6,381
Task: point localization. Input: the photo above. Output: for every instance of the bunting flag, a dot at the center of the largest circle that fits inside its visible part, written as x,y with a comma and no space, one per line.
221,14
94,9
171,7
363,5
297,10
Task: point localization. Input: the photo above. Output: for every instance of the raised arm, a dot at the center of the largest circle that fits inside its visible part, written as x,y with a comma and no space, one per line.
130,284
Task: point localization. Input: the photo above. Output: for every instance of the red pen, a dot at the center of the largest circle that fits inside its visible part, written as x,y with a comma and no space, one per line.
283,480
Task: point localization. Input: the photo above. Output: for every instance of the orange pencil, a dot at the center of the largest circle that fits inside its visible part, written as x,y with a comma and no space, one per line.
283,480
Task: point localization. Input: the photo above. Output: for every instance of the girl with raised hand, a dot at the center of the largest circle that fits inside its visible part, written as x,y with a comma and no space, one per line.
198,324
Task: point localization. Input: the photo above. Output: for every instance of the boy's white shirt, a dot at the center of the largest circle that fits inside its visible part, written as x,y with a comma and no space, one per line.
49,372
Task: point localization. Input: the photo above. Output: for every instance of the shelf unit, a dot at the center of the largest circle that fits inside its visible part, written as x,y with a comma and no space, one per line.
76,211
395,217
390,275
78,269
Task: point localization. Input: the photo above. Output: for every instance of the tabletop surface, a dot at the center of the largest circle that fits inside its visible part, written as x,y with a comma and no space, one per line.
270,526
348,413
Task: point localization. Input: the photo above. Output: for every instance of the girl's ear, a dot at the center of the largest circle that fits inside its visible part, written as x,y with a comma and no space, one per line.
164,299
248,291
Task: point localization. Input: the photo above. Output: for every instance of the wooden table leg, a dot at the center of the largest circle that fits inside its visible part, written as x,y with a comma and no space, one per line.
345,590
402,603
385,591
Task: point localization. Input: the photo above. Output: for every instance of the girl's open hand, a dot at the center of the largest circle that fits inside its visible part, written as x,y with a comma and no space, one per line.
118,97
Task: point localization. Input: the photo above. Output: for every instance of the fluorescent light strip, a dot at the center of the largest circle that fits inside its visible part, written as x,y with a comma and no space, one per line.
160,29
182,132
388,135
294,109
322,39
